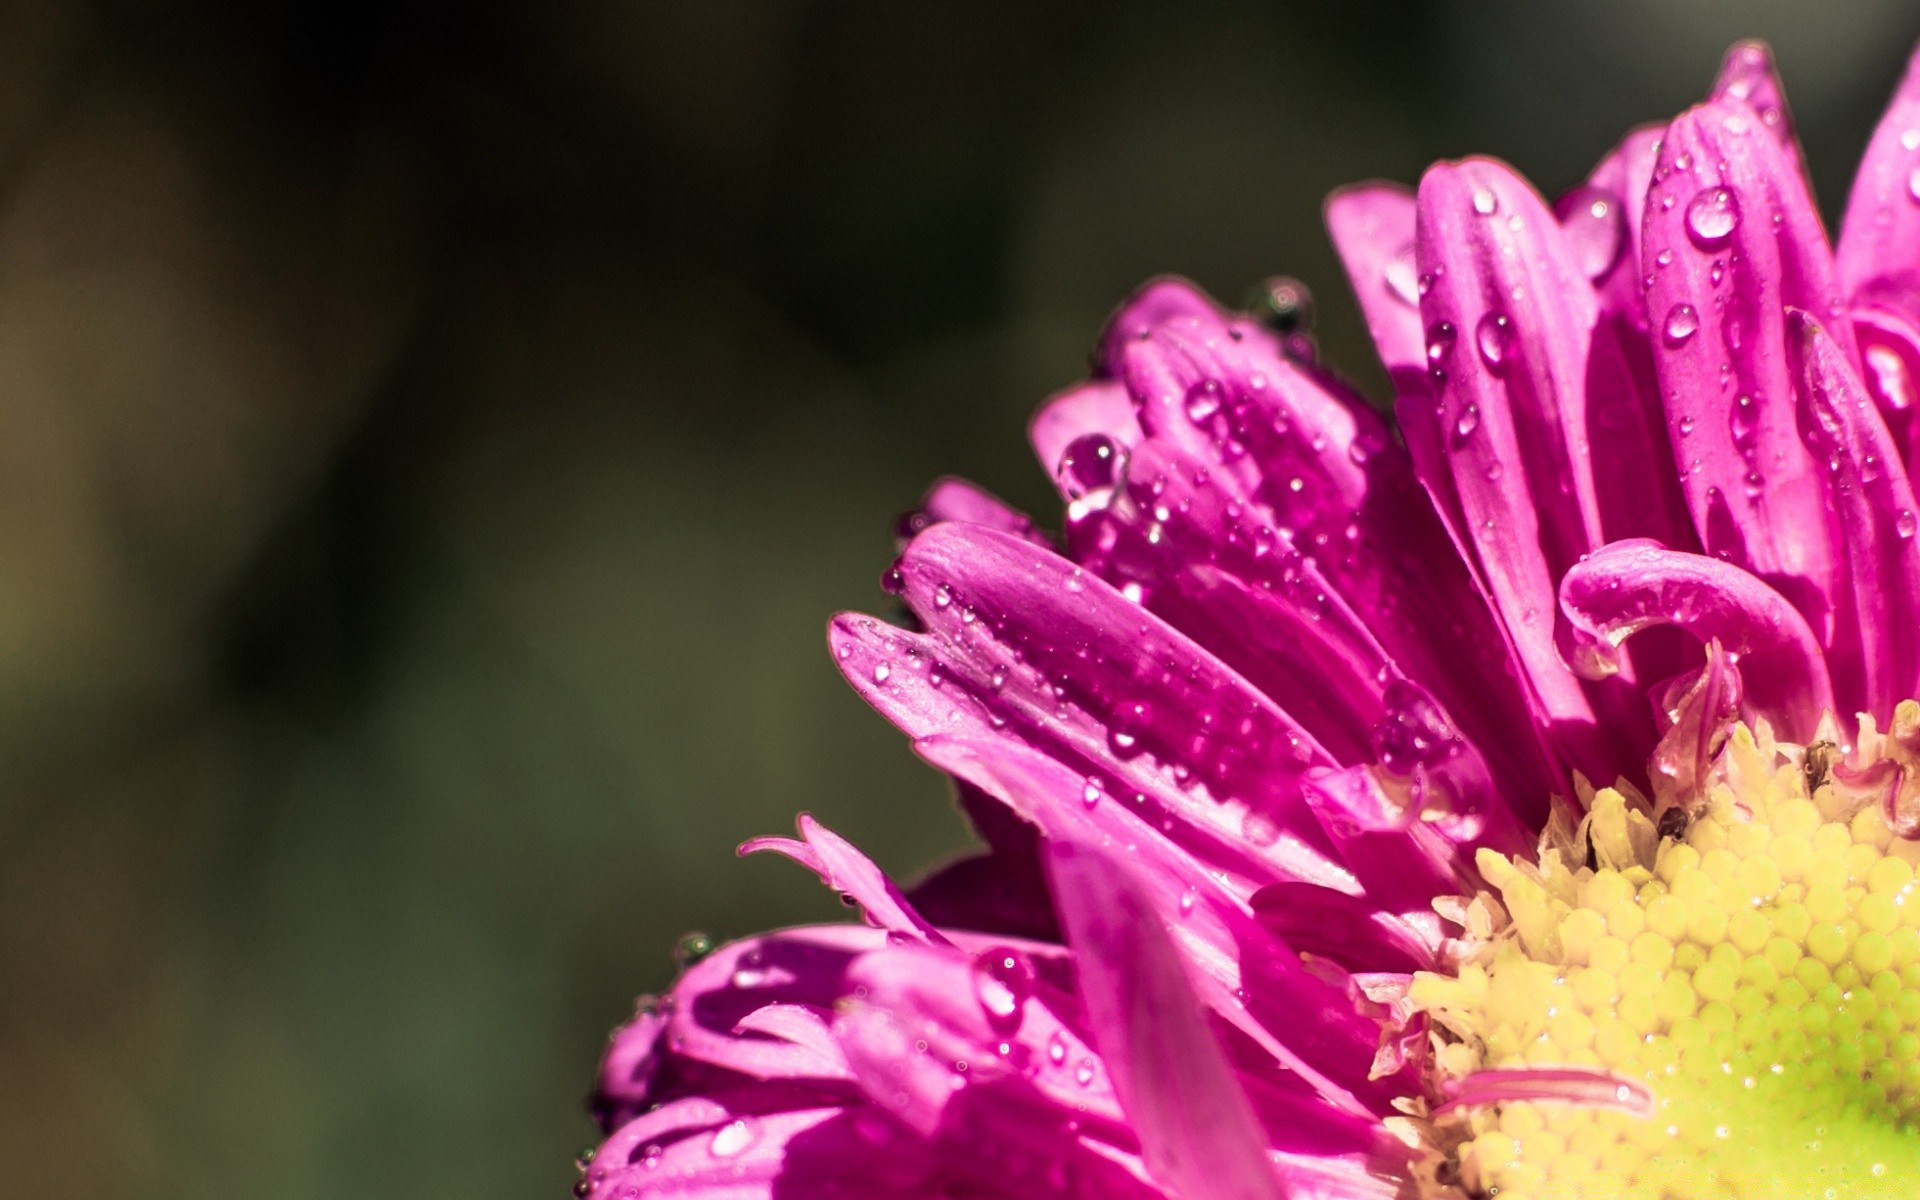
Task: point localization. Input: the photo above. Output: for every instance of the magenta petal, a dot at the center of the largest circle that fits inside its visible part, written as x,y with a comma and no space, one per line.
1568,1085
1875,649
1372,229
846,870
1509,412
1160,300
1023,646
1626,587
801,1027
1748,76
1890,367
1731,240
1197,1132
957,500
1253,981
1353,932
1878,259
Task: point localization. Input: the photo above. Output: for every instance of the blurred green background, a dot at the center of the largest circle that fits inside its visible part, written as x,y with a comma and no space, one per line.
433,436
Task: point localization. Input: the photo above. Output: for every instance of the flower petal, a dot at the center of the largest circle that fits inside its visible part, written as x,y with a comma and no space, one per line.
1196,1129
844,869
1094,409
1508,318
958,500
1023,646
1747,75
1731,239
1372,229
1254,982
1629,586
1875,650
1878,258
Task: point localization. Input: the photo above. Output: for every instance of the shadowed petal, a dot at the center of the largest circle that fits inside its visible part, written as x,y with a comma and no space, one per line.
1731,239
1626,587
1875,650
1196,1130
1878,258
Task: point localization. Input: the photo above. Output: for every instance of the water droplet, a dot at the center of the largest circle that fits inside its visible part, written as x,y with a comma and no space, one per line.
734,1138
1440,338
1712,215
1128,722
1466,423
1204,399
750,971
1494,337
1742,419
1905,524
882,672
1083,1072
691,948
1188,899
1364,446
1284,305
1682,323
1685,425
1091,792
1485,202
1913,185
893,581
1090,467
1057,1048
1002,983
1594,226
1402,276
1887,373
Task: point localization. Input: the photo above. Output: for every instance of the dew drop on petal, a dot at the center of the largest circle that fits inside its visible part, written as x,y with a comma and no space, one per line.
1742,419
1002,984
882,672
1466,422
1712,215
734,1138
1057,1048
1259,829
1083,1072
1203,399
1090,467
1494,337
1682,323
1091,792
1594,226
1485,202
1913,185
1440,338
1905,524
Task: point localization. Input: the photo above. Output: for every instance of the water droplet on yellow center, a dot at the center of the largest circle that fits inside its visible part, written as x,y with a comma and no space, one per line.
1758,972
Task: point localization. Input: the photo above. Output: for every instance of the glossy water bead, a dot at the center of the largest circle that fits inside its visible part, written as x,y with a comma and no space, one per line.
1757,972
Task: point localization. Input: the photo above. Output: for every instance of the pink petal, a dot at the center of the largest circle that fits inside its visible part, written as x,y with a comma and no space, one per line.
1878,260
1747,75
846,870
1875,649
957,500
1731,239
1196,1129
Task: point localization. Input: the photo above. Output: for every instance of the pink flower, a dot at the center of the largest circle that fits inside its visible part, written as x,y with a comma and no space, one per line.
1283,761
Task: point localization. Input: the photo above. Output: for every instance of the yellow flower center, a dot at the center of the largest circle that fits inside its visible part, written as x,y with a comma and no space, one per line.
1756,972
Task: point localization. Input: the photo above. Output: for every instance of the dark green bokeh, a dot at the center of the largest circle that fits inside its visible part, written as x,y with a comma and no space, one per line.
434,438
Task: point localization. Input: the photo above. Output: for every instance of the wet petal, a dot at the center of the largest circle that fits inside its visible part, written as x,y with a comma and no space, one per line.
1747,75
1509,317
1023,646
1731,239
1081,417
1875,650
1196,1129
1630,586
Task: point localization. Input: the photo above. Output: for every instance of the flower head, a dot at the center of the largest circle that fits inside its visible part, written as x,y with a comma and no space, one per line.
1518,799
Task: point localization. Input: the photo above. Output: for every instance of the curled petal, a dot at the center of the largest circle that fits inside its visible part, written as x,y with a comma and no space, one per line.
846,870
1731,239
1629,586
1878,258
1372,227
1875,647
1196,1129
